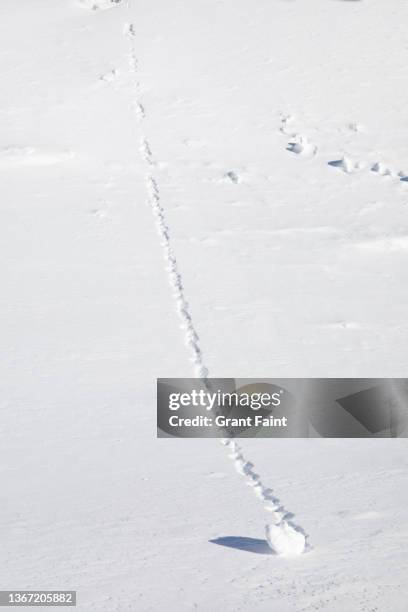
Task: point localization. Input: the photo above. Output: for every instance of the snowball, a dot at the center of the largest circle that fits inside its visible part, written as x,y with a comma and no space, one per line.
285,540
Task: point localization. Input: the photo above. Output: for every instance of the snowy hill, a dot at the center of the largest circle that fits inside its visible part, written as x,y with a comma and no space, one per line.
249,158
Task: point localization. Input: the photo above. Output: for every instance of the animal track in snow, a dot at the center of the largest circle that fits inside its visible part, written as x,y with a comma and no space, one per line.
381,169
402,176
232,177
345,164
384,171
302,146
285,121
109,76
354,127
349,167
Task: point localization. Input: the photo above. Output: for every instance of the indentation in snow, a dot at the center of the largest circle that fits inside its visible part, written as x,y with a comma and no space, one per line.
345,164
381,169
109,76
302,146
232,177
354,127
284,122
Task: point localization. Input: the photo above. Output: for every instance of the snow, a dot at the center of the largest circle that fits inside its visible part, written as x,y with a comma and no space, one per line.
156,222
283,536
285,540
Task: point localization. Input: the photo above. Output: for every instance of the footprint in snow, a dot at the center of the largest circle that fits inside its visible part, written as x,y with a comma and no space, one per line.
285,121
345,164
302,146
109,76
354,127
381,169
232,177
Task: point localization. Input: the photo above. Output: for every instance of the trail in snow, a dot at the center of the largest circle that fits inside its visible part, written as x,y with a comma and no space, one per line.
302,146
191,336
284,537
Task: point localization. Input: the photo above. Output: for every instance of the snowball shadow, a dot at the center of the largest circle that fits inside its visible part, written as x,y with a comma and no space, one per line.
253,545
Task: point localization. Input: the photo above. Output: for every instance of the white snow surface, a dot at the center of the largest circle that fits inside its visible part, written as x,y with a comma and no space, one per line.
293,261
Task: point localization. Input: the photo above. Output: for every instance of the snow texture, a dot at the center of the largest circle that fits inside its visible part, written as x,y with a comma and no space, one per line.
229,170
